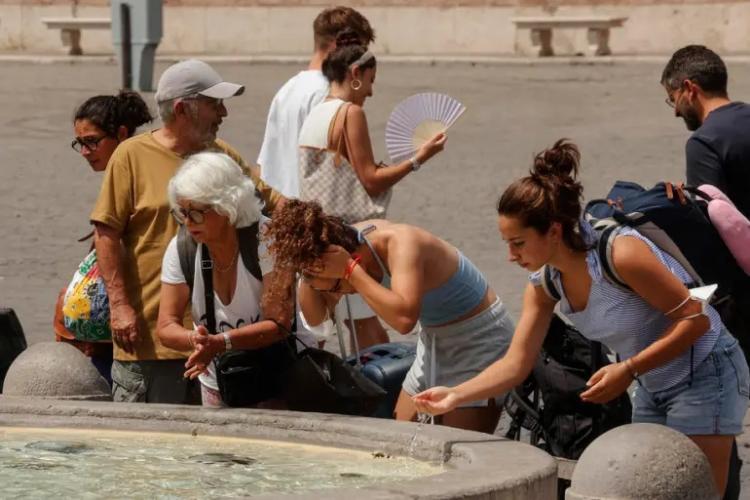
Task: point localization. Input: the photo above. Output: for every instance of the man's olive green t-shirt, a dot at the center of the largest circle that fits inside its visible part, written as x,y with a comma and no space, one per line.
133,201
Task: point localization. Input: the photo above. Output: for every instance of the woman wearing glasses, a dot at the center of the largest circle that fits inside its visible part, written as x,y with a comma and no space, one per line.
405,274
103,122
211,196
100,124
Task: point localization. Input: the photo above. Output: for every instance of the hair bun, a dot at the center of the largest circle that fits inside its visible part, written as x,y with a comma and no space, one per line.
347,37
560,161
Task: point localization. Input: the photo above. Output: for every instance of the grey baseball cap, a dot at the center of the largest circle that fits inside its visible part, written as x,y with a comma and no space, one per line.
194,77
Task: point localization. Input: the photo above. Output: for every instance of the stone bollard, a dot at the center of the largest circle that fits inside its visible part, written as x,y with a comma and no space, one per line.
642,461
55,370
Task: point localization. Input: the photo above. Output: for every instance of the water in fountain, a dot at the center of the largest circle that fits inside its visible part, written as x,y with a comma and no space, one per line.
64,463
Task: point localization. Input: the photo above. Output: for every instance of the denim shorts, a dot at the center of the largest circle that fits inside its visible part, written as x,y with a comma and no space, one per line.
711,402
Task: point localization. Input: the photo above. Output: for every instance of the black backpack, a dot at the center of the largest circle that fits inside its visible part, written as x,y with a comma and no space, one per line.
680,226
548,403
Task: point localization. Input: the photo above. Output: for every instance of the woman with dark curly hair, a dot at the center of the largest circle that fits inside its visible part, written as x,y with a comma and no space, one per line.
405,274
100,124
690,371
103,122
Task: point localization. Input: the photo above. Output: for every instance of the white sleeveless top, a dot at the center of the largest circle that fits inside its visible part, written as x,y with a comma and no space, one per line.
314,132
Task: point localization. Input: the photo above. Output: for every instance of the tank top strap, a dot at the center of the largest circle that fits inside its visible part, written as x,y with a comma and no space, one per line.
363,239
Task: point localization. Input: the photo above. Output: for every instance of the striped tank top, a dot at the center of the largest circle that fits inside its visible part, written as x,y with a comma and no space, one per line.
626,323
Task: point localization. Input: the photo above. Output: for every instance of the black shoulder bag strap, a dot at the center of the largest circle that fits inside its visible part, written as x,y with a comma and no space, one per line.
248,240
207,266
186,250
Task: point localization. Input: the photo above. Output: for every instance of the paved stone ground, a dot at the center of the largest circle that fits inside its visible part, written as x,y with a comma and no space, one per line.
616,113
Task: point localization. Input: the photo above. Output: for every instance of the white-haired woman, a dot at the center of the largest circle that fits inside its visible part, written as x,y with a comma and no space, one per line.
213,199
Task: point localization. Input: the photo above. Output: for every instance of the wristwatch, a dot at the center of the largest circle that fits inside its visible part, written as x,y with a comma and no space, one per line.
227,342
415,165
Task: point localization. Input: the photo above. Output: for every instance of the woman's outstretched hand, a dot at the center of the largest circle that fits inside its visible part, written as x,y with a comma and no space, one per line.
432,147
607,383
436,400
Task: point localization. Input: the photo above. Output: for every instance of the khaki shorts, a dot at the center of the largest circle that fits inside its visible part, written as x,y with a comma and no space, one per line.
154,381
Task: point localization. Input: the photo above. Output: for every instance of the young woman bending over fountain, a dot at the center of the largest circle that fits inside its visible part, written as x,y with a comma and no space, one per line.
405,274
691,373
210,195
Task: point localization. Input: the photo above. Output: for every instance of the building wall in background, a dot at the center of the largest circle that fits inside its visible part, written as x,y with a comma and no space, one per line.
416,27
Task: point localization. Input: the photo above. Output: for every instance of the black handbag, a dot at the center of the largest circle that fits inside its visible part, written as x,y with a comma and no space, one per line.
320,381
313,380
247,377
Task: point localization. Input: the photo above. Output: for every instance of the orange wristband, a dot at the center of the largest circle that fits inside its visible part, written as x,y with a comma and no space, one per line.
352,264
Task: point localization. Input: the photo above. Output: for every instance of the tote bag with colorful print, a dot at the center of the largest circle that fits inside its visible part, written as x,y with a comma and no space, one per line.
86,306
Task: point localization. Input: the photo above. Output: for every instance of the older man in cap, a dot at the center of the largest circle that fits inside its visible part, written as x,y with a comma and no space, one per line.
133,226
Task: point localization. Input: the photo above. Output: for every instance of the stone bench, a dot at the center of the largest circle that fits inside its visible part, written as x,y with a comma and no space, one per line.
70,29
598,30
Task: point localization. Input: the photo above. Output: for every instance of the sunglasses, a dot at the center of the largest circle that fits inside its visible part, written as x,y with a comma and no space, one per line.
195,215
91,143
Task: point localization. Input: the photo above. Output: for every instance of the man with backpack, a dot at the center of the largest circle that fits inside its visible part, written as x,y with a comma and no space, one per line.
134,226
717,153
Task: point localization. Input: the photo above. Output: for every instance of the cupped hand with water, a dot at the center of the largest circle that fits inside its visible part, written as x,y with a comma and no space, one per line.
436,400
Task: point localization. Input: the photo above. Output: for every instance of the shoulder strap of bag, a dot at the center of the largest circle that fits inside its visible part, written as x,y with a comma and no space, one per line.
248,240
604,245
186,250
343,139
207,266
548,284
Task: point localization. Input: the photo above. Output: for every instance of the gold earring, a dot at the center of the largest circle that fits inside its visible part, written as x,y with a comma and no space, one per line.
356,84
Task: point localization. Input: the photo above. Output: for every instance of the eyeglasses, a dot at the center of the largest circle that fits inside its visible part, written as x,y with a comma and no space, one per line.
195,215
91,143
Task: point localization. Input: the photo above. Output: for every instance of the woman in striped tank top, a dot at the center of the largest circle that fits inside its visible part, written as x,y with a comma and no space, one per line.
691,373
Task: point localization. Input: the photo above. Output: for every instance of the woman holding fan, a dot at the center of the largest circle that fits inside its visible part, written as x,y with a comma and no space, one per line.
337,165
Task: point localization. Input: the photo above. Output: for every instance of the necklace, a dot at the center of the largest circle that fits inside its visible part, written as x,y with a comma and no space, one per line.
229,266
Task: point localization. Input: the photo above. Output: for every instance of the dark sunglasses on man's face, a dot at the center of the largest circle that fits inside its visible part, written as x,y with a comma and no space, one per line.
91,143
196,215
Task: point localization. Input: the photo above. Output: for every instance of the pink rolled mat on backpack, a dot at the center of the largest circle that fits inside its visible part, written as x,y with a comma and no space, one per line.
733,227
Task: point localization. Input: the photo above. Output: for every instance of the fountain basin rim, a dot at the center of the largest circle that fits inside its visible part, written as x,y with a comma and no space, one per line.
476,464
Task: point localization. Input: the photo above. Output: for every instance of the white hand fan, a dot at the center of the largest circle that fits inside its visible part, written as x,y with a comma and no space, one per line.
416,120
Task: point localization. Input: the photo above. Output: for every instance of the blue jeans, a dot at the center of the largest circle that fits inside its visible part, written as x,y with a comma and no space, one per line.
712,401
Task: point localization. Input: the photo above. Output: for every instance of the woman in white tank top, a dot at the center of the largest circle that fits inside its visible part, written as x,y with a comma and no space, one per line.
339,124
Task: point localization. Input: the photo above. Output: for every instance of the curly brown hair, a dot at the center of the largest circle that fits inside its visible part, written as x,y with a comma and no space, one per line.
298,235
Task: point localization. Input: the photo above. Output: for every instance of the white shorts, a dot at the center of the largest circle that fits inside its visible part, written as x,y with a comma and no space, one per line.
450,355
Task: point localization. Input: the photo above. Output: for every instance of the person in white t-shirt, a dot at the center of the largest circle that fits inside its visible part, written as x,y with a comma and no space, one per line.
211,196
290,106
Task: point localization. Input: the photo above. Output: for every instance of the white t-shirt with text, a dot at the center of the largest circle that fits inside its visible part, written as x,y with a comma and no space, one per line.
244,309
